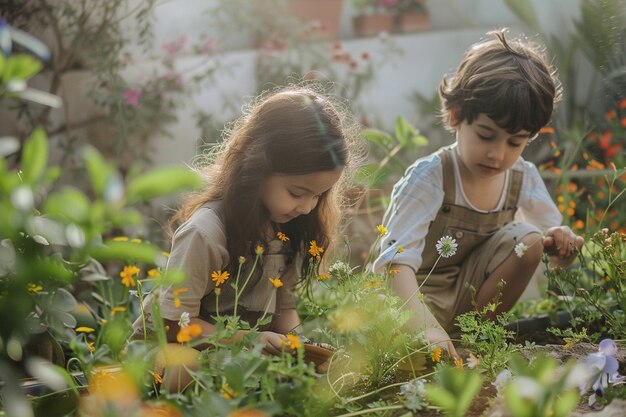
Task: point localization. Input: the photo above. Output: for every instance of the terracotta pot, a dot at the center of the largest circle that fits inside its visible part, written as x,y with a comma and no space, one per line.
413,22
372,24
321,16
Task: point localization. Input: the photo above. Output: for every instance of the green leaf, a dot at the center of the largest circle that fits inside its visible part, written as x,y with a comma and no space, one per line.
403,130
113,250
34,157
162,182
440,397
70,204
97,168
20,67
378,138
565,403
171,277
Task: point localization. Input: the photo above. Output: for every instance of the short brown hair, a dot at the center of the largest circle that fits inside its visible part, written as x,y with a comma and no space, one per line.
511,82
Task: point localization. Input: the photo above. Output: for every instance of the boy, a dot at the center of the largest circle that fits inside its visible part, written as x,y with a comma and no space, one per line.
453,211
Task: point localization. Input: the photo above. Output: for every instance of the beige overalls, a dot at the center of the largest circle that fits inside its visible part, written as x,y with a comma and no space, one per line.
484,241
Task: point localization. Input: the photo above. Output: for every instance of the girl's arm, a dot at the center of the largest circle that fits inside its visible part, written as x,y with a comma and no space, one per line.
404,285
274,343
288,321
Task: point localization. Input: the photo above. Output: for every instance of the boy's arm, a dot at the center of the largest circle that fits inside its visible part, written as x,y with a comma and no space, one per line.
404,285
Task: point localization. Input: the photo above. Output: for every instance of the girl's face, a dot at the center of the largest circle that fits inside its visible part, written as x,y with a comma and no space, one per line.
289,196
485,149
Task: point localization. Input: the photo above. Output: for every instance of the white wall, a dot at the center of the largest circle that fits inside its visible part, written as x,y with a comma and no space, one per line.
456,24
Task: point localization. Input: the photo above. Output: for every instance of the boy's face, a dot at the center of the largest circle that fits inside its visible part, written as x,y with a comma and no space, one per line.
487,150
289,196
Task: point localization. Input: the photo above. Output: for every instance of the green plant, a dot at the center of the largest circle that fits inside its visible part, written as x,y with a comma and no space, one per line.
487,338
539,389
454,390
595,288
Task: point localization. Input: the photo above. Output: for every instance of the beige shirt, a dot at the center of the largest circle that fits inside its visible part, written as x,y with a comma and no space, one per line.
199,249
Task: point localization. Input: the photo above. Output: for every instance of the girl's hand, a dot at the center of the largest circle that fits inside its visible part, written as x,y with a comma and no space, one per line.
562,244
438,337
274,343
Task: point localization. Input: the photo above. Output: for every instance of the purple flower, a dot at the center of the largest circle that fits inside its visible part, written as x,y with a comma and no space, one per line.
602,367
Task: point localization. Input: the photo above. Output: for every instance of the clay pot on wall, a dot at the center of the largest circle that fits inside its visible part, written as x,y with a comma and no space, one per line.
412,22
321,16
373,24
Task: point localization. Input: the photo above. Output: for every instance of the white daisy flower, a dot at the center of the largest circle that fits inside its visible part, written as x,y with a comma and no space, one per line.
520,249
184,319
446,246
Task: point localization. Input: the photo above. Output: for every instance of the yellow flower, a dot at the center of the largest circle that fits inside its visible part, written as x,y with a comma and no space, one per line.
227,392
219,277
322,277
166,254
458,362
91,347
158,379
276,282
176,292
120,239
282,236
373,284
293,341
259,250
34,288
436,355
315,250
567,345
400,249
185,334
382,230
84,329
153,273
393,271
117,310
136,240
127,275
242,260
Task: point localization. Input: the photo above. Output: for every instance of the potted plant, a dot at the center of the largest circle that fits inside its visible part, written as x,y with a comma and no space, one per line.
412,16
373,17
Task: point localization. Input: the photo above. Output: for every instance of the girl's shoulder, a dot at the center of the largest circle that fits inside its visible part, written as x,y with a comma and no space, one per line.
207,220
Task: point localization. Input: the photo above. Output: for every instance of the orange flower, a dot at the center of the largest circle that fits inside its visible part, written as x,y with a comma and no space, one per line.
276,282
127,275
393,271
546,129
259,250
293,341
622,121
610,114
220,277
185,334
436,355
622,104
458,362
579,224
571,187
315,250
153,273
322,277
282,236
227,392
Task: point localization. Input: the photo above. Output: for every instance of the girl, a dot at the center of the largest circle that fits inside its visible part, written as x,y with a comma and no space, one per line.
272,187
501,95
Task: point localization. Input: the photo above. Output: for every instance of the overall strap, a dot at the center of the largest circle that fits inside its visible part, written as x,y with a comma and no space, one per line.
447,169
515,188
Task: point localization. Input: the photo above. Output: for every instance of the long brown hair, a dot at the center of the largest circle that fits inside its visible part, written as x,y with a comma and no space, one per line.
291,131
511,82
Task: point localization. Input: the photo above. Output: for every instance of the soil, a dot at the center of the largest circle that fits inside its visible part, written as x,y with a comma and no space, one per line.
487,404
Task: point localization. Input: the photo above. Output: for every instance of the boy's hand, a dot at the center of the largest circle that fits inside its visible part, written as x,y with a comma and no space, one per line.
438,337
562,245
